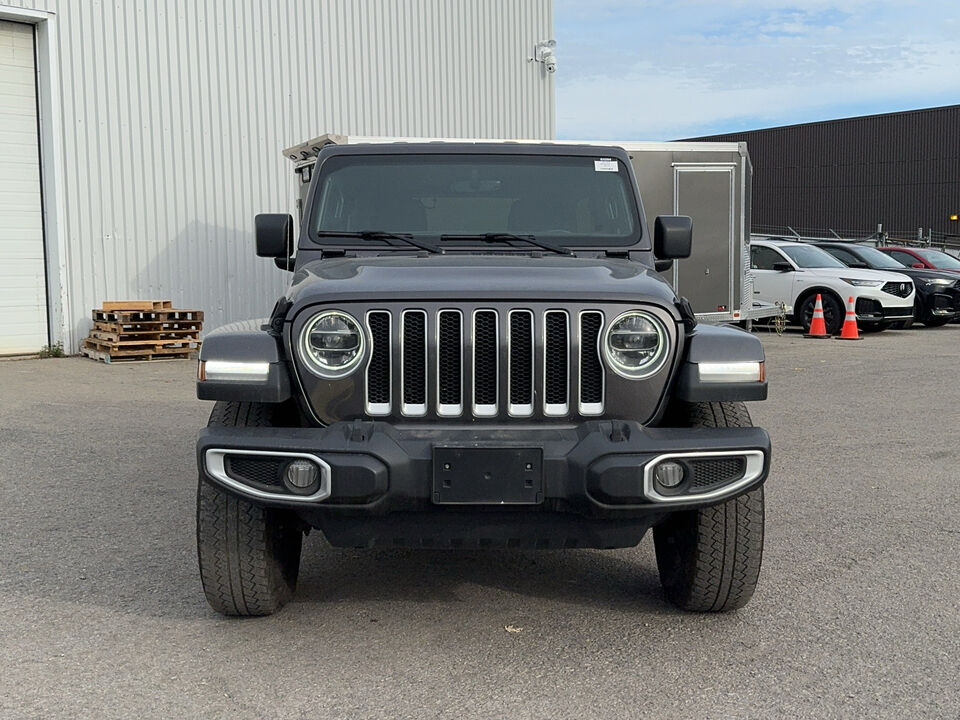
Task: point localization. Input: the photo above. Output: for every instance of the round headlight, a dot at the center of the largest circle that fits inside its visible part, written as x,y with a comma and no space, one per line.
331,344
636,345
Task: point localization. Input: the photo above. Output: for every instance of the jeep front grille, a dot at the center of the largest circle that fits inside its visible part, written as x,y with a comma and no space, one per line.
485,363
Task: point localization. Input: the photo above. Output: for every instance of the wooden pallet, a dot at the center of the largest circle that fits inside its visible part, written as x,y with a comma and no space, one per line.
149,326
128,336
141,330
135,347
141,316
141,357
148,305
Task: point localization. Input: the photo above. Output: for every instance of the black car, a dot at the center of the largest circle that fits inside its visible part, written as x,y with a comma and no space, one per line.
938,293
476,350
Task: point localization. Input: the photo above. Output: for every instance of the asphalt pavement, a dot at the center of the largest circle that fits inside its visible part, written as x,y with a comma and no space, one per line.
857,613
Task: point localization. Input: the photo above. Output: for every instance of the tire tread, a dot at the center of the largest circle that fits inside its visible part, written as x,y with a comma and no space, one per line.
249,556
709,559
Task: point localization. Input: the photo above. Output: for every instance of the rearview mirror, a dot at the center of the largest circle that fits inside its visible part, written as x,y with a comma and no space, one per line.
783,267
672,237
274,235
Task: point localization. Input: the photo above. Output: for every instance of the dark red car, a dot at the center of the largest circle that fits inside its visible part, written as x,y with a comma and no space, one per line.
924,258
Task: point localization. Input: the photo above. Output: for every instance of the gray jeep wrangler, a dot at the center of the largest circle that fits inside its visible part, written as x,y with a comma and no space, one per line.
476,350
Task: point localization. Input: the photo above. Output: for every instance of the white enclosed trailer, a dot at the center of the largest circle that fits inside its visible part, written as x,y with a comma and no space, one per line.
710,182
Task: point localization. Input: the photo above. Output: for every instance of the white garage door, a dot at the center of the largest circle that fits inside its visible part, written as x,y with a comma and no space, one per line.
23,296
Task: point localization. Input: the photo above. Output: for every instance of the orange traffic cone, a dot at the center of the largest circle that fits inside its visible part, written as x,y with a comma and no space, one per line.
850,331
818,328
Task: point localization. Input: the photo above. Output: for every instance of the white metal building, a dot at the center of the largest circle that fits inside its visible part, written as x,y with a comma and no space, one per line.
138,139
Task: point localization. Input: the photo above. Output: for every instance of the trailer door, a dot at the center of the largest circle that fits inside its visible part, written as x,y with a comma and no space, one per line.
705,192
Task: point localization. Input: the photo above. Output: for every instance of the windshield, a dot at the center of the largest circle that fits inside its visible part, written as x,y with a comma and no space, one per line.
877,259
939,259
807,256
569,200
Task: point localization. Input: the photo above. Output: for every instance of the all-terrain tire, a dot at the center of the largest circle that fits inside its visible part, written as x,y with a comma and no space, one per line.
249,555
709,559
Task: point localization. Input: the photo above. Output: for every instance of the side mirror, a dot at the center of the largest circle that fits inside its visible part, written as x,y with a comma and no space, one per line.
918,266
672,237
274,234
858,264
783,267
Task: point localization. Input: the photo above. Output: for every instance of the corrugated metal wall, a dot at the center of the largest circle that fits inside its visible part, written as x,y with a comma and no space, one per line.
174,113
899,169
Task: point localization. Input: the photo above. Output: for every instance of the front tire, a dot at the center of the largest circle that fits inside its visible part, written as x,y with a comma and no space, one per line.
709,558
833,313
249,555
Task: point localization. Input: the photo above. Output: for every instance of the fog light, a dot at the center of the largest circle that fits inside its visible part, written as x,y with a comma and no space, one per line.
301,476
668,474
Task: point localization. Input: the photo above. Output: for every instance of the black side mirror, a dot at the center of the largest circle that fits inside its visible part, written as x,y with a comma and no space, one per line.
858,264
783,267
274,233
672,237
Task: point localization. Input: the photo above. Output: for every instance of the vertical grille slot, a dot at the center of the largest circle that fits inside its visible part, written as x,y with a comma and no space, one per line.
378,370
520,352
449,363
591,369
556,363
413,379
485,368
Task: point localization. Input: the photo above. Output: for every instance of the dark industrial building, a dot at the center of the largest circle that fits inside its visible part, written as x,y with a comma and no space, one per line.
901,170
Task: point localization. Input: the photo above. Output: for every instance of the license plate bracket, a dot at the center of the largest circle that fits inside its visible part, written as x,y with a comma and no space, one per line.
487,476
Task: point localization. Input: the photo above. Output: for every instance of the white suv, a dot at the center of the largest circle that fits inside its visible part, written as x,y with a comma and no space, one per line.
792,273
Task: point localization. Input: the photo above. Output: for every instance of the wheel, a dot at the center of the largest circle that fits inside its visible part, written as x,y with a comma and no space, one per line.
937,322
833,313
709,558
249,555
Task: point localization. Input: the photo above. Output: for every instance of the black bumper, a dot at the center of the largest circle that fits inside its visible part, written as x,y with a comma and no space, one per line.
592,470
870,310
939,305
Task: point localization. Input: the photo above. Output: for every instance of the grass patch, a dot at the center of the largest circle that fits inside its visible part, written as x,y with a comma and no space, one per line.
51,351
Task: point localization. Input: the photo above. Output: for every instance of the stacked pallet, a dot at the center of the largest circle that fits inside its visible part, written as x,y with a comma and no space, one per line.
142,330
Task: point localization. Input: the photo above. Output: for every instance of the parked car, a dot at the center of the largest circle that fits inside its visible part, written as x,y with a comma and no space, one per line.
793,273
474,350
937,300
924,258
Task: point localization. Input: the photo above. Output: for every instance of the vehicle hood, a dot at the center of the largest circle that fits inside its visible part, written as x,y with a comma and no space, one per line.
858,274
477,277
928,274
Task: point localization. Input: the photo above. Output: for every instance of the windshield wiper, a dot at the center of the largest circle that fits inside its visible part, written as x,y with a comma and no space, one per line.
508,237
382,235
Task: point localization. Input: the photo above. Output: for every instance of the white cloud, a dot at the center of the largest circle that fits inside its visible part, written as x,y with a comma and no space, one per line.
660,71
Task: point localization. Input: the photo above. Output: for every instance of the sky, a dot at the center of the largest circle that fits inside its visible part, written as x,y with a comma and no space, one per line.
649,70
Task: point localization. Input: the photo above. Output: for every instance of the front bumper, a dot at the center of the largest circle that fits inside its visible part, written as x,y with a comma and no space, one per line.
875,310
945,304
601,469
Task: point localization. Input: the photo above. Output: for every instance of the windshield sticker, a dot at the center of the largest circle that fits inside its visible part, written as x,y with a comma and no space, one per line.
605,165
